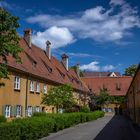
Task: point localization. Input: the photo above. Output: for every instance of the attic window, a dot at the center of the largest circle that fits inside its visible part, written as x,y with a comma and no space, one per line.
31,60
70,78
48,68
62,74
118,86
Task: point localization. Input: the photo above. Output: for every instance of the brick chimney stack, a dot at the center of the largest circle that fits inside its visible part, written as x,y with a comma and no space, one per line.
78,69
48,49
65,61
28,37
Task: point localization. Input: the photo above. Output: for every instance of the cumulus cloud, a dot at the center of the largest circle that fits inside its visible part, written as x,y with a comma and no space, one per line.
94,66
59,37
96,23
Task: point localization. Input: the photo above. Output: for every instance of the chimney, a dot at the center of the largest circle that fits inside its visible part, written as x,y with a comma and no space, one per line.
48,49
27,37
78,69
65,61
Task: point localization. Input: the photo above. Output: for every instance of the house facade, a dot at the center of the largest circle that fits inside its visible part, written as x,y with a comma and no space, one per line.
29,81
112,82
133,98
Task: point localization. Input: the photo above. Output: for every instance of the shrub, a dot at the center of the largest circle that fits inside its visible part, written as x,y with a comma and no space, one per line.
85,109
41,124
2,119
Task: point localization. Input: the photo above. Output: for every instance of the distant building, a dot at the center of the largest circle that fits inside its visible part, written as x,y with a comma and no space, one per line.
113,82
101,74
133,98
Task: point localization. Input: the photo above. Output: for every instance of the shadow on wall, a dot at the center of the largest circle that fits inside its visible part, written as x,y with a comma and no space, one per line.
119,128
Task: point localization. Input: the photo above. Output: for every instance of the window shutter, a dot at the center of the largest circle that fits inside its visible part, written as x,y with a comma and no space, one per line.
11,114
14,111
3,110
21,110
34,109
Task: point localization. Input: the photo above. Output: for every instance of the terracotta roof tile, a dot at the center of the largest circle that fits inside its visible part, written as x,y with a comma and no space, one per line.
36,62
115,85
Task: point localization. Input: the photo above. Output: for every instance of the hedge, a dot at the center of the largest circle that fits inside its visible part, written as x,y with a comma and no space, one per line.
41,124
2,119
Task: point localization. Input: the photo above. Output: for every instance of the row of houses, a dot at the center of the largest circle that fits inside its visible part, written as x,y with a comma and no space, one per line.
133,98
38,72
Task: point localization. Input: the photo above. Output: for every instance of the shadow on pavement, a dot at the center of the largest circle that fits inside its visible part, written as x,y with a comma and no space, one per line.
119,128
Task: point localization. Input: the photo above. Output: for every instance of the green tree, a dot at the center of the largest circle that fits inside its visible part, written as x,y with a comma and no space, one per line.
60,97
9,40
75,69
102,98
130,71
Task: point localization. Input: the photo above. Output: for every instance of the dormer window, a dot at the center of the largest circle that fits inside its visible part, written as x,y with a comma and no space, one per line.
48,68
118,86
17,83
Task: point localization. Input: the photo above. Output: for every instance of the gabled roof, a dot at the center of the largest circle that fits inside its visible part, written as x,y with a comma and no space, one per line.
100,74
116,86
36,63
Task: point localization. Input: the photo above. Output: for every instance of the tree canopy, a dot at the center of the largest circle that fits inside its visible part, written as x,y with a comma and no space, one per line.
105,98
9,40
60,97
131,70
75,69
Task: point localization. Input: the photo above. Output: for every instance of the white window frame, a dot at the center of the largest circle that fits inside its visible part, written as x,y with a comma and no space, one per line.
7,111
30,111
17,83
37,87
45,88
37,109
32,86
18,111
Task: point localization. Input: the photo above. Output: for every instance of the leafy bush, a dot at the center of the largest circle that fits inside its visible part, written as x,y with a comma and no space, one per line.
85,109
2,119
41,124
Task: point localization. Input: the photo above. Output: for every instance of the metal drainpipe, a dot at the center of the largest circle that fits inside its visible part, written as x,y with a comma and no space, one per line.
134,104
26,98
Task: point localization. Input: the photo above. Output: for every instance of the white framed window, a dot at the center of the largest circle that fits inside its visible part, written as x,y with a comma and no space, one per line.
37,109
37,87
17,83
7,111
45,88
32,86
30,111
18,111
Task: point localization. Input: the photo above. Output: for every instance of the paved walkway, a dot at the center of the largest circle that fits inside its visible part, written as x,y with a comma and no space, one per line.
107,128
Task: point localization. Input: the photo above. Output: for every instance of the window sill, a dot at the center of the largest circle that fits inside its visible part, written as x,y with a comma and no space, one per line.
17,89
32,92
37,92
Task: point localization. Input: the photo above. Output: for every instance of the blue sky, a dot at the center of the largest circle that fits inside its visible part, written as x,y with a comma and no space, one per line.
101,35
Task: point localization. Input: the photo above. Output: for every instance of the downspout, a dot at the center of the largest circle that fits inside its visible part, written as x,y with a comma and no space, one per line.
26,98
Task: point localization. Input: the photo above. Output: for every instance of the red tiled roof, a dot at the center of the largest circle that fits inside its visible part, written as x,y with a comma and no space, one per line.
99,74
116,86
36,62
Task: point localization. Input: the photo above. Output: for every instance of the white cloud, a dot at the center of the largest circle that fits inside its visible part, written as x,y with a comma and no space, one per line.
96,23
117,2
59,37
94,66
